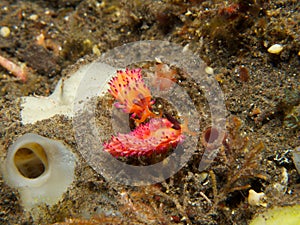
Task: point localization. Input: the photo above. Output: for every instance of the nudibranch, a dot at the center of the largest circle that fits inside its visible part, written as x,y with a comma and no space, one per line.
156,136
132,94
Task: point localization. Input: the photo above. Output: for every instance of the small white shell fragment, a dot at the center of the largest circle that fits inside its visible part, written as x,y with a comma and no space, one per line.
158,60
275,49
4,31
209,70
255,198
186,48
33,17
188,13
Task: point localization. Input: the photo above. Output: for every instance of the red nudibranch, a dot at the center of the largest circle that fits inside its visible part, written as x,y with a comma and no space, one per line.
157,135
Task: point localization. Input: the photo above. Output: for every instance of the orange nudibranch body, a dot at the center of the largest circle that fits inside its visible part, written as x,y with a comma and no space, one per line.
132,94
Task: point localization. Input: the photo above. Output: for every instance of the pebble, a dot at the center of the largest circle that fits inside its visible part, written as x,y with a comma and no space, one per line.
33,17
209,70
4,31
96,50
275,49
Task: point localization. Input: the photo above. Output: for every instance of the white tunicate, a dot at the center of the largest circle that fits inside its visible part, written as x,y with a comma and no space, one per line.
61,101
41,169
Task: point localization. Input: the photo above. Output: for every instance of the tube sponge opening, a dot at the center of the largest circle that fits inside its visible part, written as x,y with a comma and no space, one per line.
41,169
31,160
